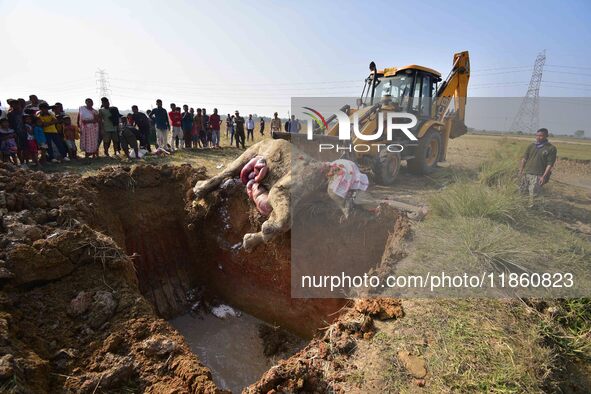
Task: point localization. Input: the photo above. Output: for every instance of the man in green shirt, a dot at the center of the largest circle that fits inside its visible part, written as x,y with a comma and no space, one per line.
536,165
109,121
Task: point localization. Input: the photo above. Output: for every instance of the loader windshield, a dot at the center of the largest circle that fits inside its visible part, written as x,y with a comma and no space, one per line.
397,87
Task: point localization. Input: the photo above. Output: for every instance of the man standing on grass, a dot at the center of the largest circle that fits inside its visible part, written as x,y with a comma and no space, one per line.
206,134
294,125
109,125
176,119
229,123
275,124
187,125
239,133
262,126
160,118
250,128
197,129
536,165
214,124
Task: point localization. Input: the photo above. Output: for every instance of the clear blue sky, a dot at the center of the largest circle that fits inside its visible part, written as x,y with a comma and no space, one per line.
256,55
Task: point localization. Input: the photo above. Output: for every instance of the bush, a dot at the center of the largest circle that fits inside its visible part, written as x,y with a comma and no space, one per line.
475,200
502,168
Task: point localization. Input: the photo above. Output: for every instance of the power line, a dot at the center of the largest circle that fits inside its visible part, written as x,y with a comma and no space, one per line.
500,72
568,72
190,89
211,103
254,84
576,67
568,83
255,92
567,87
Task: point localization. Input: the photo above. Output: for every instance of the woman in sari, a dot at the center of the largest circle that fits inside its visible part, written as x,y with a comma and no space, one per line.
88,122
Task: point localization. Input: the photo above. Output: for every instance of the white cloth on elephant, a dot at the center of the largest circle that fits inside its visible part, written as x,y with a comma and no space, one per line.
344,176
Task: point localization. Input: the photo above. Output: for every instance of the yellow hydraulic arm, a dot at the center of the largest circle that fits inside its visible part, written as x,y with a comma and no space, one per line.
454,88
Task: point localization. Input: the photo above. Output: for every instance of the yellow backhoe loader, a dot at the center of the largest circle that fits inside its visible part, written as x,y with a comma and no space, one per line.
438,107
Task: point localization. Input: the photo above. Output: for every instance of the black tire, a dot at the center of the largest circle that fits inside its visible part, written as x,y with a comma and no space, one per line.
386,167
427,154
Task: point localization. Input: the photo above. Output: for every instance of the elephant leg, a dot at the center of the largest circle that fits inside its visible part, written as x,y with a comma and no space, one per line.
252,240
279,219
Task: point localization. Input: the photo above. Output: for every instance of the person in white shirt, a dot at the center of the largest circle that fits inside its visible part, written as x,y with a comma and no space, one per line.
250,128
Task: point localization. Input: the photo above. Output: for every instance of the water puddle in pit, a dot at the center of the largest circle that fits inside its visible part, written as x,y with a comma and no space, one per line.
231,347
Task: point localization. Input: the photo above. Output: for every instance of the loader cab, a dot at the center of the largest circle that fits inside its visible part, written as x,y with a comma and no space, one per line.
409,89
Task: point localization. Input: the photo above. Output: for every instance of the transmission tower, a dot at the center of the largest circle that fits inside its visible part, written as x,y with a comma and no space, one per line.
102,83
528,117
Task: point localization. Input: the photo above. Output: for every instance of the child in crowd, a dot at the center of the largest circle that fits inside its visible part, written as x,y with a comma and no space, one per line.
71,134
8,147
31,149
54,138
40,139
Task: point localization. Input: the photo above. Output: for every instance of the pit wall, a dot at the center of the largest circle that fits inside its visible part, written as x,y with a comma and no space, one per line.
146,211
257,282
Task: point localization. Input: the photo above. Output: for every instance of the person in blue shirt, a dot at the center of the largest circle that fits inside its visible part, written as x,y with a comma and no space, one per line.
160,118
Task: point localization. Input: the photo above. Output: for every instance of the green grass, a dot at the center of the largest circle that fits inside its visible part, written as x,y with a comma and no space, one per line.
572,151
472,245
568,148
485,224
482,223
569,328
475,200
494,196
469,346
502,169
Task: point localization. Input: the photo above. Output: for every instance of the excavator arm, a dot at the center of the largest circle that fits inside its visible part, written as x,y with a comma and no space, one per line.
454,89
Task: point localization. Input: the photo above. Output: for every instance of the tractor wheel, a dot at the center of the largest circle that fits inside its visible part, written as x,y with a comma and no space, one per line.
386,167
427,154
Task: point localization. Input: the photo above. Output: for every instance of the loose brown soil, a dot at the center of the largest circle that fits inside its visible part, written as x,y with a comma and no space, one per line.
91,267
73,318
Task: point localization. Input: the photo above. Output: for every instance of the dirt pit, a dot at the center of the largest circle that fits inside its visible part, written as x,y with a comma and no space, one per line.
237,348
91,269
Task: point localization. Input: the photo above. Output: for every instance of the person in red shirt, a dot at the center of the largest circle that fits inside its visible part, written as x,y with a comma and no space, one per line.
214,123
177,131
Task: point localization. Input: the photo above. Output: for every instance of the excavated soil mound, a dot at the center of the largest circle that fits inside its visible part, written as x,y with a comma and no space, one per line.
72,318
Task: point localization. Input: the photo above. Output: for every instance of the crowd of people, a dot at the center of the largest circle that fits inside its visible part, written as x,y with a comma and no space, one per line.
34,132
